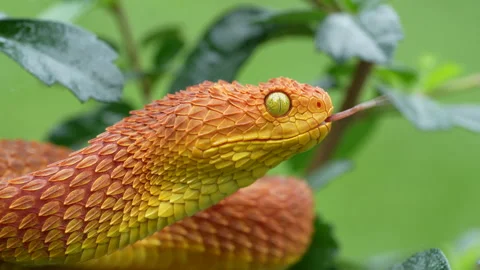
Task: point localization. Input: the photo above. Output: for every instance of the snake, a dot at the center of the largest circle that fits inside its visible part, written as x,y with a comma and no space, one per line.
182,183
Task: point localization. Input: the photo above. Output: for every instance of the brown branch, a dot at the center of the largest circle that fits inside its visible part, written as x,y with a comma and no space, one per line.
379,101
331,142
131,48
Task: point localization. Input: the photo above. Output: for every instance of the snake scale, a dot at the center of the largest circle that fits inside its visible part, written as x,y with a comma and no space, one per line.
179,184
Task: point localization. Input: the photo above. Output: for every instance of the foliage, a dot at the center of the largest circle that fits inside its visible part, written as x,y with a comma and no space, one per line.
355,34
76,131
323,250
371,35
58,52
429,259
229,42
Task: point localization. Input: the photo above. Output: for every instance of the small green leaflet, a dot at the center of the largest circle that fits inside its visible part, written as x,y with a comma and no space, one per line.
59,52
397,76
372,35
439,75
432,259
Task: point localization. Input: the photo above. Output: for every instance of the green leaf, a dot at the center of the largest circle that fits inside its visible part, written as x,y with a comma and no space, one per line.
368,4
465,116
354,6
76,131
108,3
328,172
372,35
427,114
67,10
432,259
464,253
323,250
168,42
434,76
294,17
397,76
351,5
58,52
420,110
440,75
228,43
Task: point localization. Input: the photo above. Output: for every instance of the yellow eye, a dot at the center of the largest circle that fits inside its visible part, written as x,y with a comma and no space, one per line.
277,103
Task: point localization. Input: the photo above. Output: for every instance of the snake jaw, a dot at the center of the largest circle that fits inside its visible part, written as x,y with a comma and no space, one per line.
328,125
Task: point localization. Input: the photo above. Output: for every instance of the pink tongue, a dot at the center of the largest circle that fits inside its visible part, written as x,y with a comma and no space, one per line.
357,108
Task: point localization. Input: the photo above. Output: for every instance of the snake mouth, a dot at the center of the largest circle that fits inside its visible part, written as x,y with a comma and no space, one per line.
327,125
324,123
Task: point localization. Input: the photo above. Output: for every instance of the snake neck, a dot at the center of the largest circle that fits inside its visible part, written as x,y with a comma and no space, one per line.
170,178
163,175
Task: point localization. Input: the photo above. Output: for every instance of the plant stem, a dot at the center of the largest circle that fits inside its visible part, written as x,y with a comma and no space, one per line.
463,83
328,147
132,51
322,6
379,101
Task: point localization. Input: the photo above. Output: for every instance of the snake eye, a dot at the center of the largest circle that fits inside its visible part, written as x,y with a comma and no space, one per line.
277,103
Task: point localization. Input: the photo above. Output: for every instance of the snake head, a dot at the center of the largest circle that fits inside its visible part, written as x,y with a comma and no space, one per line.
229,128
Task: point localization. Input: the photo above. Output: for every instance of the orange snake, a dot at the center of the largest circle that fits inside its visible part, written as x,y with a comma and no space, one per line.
172,186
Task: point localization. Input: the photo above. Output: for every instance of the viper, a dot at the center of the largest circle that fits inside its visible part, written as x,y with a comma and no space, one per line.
179,184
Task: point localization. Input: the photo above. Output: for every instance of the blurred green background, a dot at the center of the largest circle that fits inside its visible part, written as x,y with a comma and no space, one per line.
410,190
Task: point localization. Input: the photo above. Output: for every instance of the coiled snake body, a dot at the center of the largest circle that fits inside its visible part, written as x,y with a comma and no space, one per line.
154,189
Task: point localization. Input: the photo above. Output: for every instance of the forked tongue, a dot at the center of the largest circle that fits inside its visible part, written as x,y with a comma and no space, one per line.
357,108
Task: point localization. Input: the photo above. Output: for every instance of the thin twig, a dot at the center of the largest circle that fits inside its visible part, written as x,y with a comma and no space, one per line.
379,101
132,52
331,142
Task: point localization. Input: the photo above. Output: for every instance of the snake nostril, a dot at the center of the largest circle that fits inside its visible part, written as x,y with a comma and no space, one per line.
319,104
